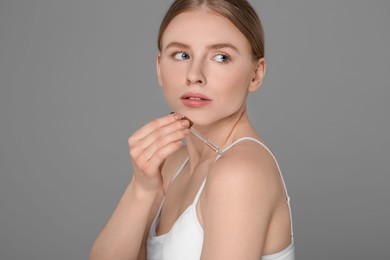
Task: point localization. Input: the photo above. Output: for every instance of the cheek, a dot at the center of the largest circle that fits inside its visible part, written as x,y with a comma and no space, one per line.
235,81
234,88
170,83
170,74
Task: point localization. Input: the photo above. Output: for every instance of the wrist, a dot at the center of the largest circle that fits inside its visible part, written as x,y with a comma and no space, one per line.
141,193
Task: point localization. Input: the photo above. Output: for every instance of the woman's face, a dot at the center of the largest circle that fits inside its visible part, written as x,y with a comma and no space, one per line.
205,67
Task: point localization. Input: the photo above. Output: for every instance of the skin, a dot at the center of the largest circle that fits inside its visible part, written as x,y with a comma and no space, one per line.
202,52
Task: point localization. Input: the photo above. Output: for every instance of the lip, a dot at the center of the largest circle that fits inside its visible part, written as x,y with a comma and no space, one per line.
195,100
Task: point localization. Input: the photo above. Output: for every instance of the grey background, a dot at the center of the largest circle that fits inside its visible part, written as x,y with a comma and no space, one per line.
77,77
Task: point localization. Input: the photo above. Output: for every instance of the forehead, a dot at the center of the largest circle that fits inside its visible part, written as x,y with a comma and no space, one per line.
203,26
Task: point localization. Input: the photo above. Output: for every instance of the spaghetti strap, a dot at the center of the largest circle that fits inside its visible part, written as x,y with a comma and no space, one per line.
263,145
180,169
277,165
187,227
176,174
219,155
199,192
157,217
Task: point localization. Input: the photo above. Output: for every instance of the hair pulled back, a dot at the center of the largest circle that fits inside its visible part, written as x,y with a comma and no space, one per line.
238,12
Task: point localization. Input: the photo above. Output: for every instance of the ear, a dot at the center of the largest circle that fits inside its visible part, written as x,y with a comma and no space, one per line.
158,67
258,77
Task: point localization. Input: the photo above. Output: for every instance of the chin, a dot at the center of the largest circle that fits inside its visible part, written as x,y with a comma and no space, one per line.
198,117
205,117
203,120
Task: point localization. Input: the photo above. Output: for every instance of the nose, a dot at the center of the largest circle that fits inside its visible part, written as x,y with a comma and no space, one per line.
195,74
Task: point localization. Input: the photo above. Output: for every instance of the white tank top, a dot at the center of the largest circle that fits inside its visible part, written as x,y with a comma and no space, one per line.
185,239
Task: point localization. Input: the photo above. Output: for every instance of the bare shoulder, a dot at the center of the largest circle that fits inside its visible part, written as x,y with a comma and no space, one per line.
245,178
246,167
243,186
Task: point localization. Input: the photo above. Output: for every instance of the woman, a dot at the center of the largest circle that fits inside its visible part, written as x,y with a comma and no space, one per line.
187,201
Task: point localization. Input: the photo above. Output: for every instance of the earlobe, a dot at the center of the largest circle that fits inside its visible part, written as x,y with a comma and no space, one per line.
259,74
158,67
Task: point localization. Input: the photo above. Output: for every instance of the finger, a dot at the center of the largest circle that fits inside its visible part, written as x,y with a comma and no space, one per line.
141,154
159,156
144,155
156,123
159,143
151,163
142,150
164,135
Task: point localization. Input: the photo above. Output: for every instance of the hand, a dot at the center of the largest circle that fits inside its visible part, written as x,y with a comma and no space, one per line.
152,144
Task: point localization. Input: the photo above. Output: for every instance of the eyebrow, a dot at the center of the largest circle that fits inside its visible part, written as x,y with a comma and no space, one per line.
210,47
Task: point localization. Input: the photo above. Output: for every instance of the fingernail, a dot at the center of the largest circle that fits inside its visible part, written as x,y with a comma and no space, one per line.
189,121
177,117
185,123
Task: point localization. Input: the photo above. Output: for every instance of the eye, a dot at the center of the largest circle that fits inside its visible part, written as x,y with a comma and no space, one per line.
223,58
180,55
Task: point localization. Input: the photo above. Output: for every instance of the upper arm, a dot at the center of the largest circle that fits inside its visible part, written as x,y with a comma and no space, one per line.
238,203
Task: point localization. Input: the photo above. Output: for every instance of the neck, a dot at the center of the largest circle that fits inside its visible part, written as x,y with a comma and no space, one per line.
220,133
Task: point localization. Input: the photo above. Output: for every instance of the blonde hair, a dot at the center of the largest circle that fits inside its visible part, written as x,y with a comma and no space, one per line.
239,12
